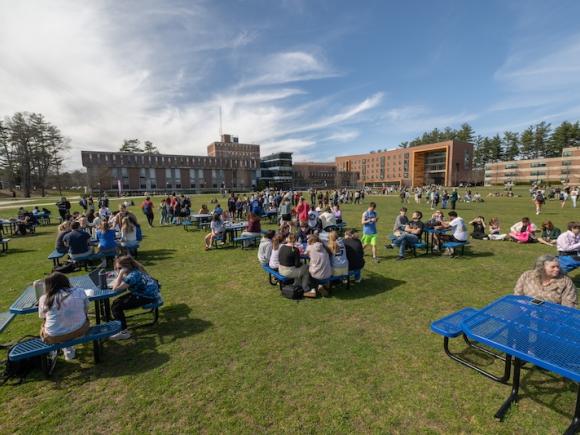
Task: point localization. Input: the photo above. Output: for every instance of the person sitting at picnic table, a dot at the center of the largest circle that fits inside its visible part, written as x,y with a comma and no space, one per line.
291,266
203,209
546,282
478,228
303,233
253,228
549,234
436,219
128,234
77,242
64,310
104,212
523,231
277,241
568,243
217,230
410,234
338,258
319,267
327,219
495,230
354,253
63,230
314,223
106,238
217,210
143,290
458,232
400,221
265,247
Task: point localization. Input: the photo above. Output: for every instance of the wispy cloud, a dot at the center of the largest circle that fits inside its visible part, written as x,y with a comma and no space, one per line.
416,119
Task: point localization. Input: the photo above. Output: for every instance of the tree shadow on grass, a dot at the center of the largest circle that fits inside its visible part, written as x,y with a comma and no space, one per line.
372,284
150,257
12,251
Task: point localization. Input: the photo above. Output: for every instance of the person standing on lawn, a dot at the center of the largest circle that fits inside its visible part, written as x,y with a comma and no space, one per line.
369,222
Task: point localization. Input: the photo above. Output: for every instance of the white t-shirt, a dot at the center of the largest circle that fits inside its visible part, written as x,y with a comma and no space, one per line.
459,229
274,262
71,315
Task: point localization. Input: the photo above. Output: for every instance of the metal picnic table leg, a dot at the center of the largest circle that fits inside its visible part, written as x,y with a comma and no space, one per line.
513,397
575,425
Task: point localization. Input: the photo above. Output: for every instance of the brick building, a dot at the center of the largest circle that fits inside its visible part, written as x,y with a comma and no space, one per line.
229,164
564,169
446,163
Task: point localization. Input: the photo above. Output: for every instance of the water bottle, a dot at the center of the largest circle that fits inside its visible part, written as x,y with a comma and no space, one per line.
103,279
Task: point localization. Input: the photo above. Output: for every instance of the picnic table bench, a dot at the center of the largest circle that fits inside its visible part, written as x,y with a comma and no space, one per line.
37,347
249,238
5,319
4,243
528,331
55,256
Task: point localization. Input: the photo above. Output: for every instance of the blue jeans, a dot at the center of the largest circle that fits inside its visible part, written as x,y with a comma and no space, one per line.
405,241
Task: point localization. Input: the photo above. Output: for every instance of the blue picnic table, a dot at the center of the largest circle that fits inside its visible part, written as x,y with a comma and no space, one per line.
26,303
531,331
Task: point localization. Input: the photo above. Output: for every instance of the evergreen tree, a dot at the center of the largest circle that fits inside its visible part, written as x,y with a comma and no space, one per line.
511,145
565,135
149,148
527,141
131,146
465,133
541,136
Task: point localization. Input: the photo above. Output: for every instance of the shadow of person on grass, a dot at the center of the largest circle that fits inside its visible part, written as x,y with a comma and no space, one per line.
152,256
372,284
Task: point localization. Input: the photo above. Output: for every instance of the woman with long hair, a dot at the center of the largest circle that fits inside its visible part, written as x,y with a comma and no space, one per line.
128,233
319,266
549,234
63,230
495,230
547,282
143,290
523,231
338,259
64,312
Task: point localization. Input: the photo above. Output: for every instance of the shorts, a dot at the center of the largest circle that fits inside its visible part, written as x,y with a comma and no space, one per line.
369,239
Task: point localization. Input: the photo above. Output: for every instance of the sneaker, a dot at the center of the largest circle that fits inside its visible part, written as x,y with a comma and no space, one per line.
400,258
310,294
323,291
389,246
69,353
123,335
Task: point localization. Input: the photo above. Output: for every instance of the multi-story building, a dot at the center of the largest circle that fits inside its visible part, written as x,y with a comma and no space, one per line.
143,172
276,170
322,176
564,169
230,147
446,163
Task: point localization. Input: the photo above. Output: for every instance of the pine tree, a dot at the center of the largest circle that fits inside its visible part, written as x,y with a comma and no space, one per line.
527,141
511,144
541,136
465,133
149,148
131,146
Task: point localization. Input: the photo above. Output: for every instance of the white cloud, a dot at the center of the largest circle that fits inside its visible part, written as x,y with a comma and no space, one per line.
417,119
342,136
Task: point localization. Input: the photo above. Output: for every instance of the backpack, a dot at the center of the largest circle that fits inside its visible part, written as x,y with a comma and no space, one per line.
292,291
540,197
22,368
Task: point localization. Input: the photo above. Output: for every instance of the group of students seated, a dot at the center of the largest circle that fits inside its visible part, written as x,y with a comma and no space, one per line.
64,308
75,234
285,250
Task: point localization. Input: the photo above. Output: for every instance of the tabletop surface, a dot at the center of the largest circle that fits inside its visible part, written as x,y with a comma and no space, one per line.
26,303
547,335
197,216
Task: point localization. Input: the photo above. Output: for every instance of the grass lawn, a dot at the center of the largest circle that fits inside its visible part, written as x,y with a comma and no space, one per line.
230,355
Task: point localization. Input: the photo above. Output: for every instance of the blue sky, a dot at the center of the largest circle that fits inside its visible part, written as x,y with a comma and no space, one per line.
319,78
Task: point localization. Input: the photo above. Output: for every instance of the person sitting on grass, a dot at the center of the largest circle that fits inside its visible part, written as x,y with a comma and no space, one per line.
319,267
523,231
77,242
265,247
458,232
63,230
478,228
354,253
495,230
253,228
143,290
549,234
338,258
277,241
217,231
291,266
546,282
64,310
568,243
410,235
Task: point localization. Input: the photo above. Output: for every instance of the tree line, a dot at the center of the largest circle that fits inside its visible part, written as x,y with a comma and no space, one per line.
31,151
134,146
538,140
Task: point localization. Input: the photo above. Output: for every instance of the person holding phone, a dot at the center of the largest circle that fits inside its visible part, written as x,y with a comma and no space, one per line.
369,222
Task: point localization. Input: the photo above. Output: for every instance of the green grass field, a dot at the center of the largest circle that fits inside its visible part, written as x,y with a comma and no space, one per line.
230,355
